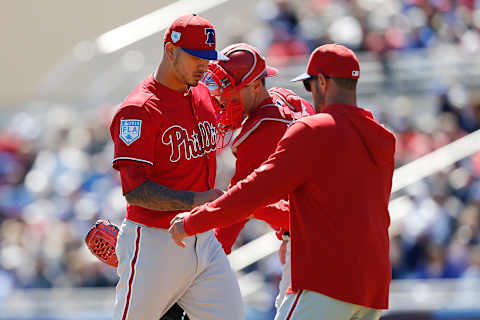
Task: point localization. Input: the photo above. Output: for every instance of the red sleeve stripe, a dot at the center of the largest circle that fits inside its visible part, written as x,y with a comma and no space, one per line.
294,304
132,275
133,159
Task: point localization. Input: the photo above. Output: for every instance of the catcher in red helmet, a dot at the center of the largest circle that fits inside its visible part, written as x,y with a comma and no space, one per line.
238,91
231,84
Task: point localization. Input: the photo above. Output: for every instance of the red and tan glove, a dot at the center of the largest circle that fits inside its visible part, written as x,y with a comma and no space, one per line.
102,241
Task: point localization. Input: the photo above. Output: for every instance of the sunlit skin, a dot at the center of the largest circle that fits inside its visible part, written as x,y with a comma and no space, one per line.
189,69
179,70
326,92
318,87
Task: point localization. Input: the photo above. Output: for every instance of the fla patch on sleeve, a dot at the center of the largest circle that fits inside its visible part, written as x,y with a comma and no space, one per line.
130,130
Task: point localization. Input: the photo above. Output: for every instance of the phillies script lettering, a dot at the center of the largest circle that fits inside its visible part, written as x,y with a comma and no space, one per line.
193,146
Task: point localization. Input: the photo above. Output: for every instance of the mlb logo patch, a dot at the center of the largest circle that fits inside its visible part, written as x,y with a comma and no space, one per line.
130,130
355,73
175,36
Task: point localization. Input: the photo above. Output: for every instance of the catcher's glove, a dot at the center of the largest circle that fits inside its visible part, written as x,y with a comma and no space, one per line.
102,241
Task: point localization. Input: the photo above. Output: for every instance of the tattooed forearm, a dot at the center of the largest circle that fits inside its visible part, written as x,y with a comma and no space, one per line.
154,196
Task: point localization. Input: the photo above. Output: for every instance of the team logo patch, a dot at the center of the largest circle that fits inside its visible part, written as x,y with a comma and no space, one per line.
210,33
130,130
176,36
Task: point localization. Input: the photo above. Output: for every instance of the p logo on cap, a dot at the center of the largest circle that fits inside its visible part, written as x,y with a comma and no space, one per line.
195,35
210,32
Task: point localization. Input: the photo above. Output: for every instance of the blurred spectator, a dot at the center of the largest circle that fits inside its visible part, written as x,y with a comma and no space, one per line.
50,196
380,27
473,271
285,46
435,264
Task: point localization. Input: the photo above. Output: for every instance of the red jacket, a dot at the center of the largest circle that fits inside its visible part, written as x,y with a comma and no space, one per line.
258,139
339,198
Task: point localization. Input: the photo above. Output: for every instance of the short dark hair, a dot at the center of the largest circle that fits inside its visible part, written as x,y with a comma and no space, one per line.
346,83
263,81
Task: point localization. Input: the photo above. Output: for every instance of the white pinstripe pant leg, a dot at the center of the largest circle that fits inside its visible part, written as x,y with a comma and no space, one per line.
155,273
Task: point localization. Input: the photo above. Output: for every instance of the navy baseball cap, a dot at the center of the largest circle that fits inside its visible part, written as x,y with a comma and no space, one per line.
196,36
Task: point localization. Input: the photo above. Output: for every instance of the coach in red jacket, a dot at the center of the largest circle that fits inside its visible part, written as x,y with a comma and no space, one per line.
338,198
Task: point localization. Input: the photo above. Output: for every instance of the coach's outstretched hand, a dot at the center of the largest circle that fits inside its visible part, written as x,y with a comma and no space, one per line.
177,229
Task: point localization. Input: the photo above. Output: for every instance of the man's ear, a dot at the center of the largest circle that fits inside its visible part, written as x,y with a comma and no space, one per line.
170,51
322,82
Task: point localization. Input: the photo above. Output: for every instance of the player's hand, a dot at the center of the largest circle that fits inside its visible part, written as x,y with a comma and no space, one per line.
282,252
206,196
177,229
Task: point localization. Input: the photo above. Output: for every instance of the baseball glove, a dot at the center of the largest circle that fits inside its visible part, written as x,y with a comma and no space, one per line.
102,241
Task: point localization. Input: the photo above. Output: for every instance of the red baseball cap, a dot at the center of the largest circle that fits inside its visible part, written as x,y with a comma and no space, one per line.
195,35
332,60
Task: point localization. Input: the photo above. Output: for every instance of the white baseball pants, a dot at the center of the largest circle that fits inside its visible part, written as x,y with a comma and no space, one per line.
155,273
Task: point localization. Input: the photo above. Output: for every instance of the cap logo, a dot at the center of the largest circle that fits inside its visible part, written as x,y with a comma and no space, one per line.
355,73
175,36
210,33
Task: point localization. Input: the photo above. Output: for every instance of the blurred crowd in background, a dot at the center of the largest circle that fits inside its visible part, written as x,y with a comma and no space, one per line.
56,178
291,30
